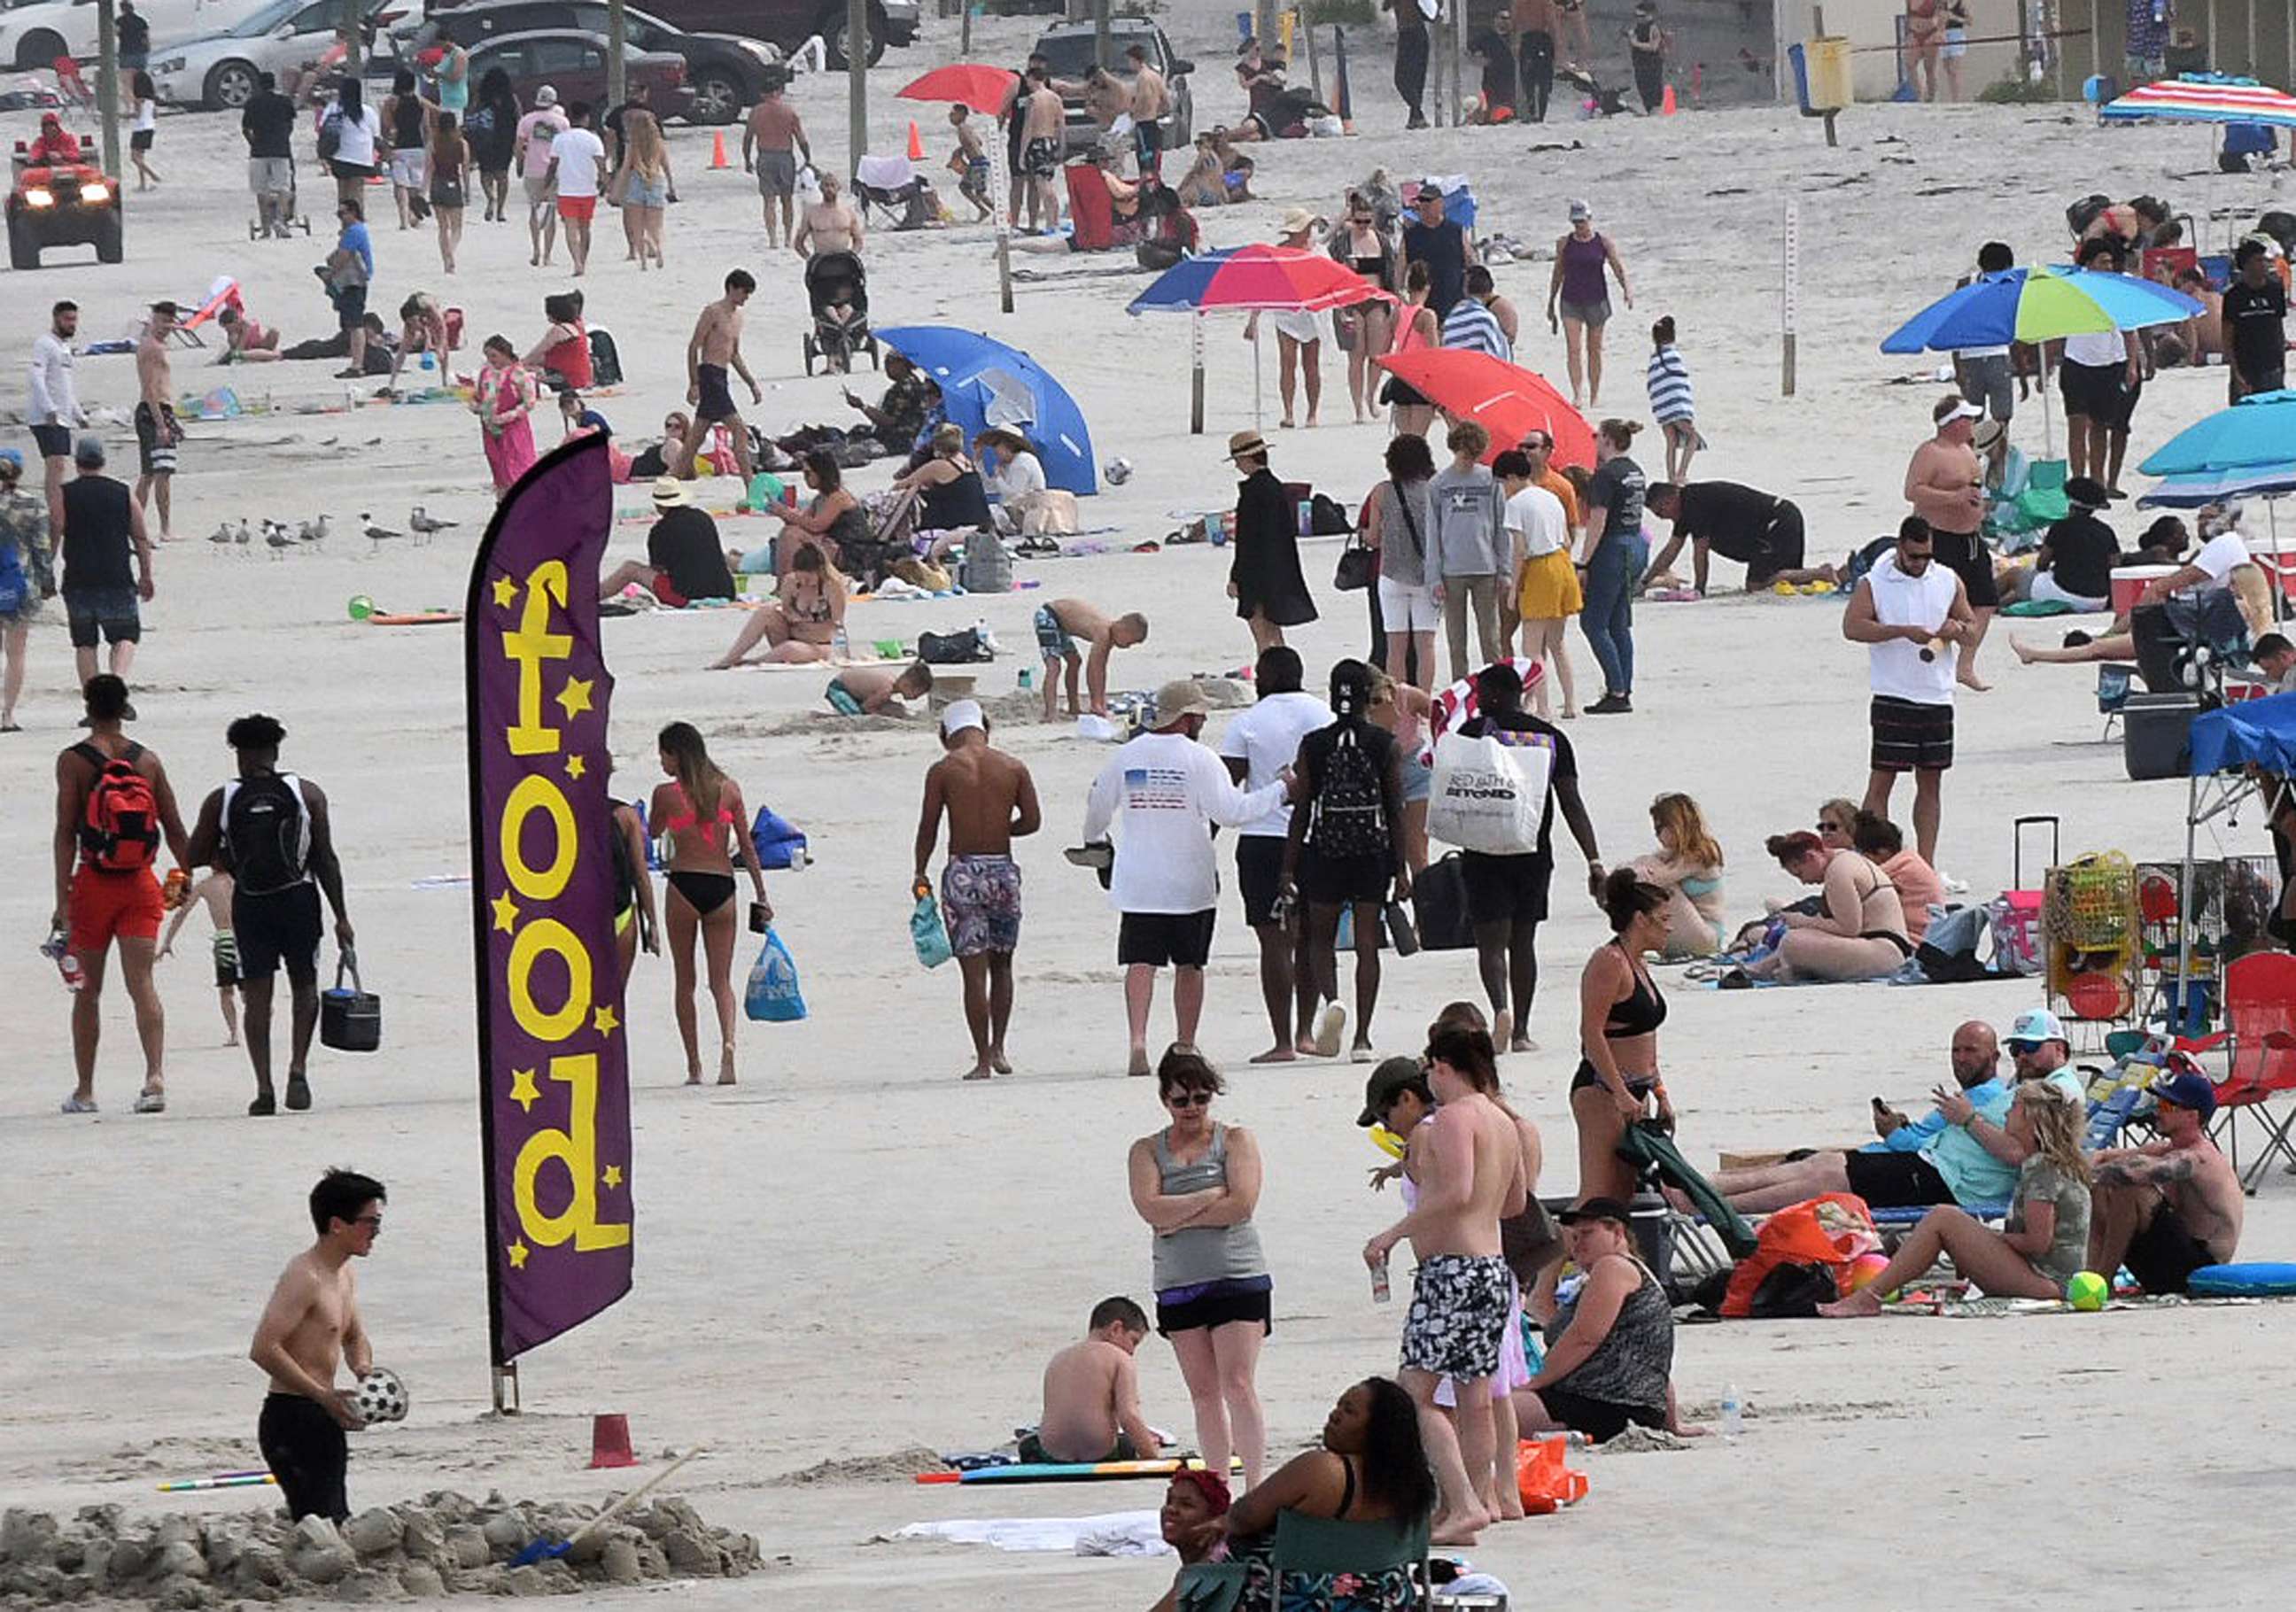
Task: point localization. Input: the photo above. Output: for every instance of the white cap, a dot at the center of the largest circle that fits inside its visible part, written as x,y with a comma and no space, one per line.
961,715
2038,1024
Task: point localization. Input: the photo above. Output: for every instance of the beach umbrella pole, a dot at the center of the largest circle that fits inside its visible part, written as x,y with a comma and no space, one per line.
1195,374
1255,378
1000,192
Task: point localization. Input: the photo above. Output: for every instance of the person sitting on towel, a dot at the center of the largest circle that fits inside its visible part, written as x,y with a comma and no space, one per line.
1092,1394
1940,1157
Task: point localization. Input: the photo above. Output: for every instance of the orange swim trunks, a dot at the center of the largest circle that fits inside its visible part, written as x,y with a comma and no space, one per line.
105,906
580,208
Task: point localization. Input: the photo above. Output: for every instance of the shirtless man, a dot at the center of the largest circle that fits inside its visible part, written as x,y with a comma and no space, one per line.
310,1329
2172,1205
156,432
111,897
714,348
1064,621
1092,1394
831,224
989,798
1469,1165
1044,140
969,162
1150,100
1946,485
771,145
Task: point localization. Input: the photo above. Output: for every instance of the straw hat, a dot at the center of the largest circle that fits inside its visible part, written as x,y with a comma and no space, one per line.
670,494
1247,445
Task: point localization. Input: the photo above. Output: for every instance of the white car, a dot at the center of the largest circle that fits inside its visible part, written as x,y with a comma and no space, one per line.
219,71
34,35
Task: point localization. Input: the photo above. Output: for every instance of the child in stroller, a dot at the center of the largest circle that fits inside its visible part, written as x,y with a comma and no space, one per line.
893,186
838,288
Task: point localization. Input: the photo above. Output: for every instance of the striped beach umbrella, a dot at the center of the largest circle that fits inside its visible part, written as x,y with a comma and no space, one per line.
2206,98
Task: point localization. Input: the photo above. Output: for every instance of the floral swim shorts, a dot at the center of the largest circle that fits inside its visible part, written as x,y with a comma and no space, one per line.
1458,1316
980,903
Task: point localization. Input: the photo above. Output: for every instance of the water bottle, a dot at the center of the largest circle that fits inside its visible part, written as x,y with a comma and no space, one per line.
1381,1289
58,950
840,647
1732,1413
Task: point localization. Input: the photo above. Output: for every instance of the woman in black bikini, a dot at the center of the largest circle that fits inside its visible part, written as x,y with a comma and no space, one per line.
1370,1469
1365,330
701,813
1861,932
1620,1012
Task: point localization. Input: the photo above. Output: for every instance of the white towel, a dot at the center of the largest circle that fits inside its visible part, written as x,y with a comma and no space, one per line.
1111,1534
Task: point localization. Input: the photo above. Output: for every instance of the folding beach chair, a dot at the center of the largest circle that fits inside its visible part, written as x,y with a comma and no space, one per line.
222,293
1316,1548
1653,1153
1092,212
2261,1018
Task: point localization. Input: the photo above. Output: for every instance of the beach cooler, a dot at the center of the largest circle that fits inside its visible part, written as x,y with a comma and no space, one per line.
2156,734
2130,582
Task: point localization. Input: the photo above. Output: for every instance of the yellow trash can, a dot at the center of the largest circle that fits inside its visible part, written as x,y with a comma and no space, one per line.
1829,73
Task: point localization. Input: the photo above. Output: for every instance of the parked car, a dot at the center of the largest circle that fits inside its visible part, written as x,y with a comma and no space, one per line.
727,72
574,62
785,24
218,72
34,35
1069,48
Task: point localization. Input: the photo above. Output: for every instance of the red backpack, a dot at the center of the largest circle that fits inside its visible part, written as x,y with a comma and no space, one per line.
119,828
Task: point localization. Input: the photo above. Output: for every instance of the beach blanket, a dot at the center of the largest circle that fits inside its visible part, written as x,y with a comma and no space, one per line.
1109,1533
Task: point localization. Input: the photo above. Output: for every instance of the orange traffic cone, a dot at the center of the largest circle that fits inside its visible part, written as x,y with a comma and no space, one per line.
1666,107
610,1441
916,142
717,149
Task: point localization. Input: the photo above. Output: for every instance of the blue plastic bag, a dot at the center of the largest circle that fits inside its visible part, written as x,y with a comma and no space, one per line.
928,934
773,996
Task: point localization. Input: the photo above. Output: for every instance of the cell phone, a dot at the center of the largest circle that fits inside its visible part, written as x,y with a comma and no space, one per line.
757,921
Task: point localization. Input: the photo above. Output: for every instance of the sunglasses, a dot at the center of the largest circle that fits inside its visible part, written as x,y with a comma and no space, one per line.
1194,1097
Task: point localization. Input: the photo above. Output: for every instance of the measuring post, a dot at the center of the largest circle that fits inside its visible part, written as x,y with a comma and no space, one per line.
1788,294
1196,374
856,82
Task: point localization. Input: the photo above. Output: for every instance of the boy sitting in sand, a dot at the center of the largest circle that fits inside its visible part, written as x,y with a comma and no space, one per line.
1092,1394
1058,626
860,691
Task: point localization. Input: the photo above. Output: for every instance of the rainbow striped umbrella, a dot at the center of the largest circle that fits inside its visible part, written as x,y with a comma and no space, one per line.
2206,98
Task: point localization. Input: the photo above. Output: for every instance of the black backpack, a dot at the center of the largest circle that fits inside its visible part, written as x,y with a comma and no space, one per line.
1350,816
952,648
605,358
267,829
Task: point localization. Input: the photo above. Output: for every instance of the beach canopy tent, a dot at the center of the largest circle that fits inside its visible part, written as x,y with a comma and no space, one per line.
983,383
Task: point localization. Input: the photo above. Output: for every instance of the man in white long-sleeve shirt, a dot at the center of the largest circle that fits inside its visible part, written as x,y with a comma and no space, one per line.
55,411
1165,790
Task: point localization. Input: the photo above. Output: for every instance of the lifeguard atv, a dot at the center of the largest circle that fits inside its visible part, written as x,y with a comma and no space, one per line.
55,204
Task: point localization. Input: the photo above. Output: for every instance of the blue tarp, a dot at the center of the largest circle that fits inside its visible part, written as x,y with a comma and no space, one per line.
983,383
2259,731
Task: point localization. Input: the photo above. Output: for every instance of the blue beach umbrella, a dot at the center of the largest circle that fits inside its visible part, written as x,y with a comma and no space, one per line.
984,383
2259,430
2197,490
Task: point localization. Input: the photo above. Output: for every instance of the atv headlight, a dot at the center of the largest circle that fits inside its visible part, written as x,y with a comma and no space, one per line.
34,196
95,194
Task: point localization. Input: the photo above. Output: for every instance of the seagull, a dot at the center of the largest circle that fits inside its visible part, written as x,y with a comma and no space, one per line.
275,533
241,534
376,533
222,533
421,520
317,531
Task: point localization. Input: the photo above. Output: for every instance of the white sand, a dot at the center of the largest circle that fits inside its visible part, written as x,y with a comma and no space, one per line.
851,1253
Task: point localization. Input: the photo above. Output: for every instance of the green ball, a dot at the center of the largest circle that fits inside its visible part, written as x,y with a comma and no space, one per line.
361,607
2088,1291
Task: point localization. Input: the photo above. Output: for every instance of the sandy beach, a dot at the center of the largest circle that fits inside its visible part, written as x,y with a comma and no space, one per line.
851,1254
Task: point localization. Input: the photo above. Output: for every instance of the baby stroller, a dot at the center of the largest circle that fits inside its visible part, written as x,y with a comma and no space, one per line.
893,186
838,288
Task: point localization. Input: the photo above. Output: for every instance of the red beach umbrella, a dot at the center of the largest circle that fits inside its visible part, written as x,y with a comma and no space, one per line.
1506,400
981,86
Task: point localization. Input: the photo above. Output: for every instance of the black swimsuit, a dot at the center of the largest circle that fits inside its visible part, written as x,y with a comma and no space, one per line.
1638,1014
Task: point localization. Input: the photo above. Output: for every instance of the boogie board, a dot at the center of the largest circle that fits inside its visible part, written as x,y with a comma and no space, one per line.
1059,1472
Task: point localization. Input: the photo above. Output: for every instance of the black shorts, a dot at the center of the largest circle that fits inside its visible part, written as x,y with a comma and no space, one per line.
304,1446
2164,1255
1896,1181
141,140
55,441
350,305
111,611
1032,1451
1784,545
1248,1299
2097,390
1965,555
280,929
715,399
1338,881
1910,737
1506,889
1179,940
155,439
1599,1419
1259,875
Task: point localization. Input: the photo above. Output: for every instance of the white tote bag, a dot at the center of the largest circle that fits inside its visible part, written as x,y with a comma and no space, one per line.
1489,796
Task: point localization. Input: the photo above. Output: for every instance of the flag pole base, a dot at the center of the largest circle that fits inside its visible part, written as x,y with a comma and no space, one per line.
506,1389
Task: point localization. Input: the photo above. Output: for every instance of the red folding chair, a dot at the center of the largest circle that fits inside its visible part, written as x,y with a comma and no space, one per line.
2261,1018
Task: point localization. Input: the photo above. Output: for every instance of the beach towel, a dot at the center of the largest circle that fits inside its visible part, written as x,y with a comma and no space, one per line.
1109,1533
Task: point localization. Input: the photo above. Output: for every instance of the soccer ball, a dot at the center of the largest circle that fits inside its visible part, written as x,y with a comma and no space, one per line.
2088,1291
1118,470
382,1396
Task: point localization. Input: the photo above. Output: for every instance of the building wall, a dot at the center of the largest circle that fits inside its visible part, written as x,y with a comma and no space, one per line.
1871,27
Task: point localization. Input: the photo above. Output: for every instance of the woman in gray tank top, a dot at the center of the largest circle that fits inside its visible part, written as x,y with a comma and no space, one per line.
1610,1357
1196,1183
